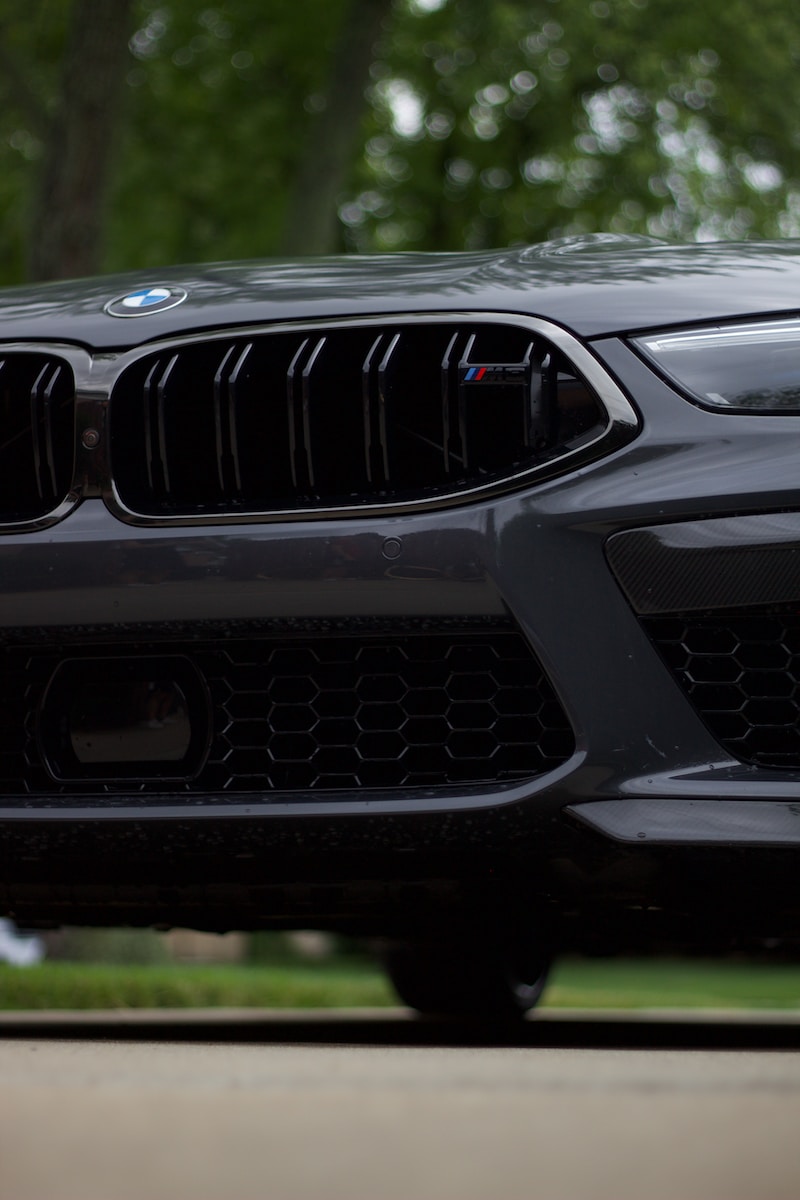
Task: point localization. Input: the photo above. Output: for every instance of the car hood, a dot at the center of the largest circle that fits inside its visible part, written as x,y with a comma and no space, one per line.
594,286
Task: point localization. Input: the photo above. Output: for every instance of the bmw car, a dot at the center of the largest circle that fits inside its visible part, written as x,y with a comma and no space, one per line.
448,601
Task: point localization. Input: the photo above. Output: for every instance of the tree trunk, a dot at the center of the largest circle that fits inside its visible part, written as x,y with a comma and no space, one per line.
311,224
66,236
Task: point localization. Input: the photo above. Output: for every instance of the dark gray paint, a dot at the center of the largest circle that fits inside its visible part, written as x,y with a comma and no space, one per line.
591,287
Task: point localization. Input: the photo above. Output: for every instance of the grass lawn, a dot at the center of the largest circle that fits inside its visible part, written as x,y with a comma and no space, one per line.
110,985
594,983
672,983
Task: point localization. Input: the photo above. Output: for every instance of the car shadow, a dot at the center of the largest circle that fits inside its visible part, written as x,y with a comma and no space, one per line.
591,1030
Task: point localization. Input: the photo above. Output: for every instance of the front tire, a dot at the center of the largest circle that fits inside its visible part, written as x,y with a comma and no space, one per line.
467,980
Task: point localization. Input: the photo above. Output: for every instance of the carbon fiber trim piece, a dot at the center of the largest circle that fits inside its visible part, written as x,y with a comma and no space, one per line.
733,562
693,822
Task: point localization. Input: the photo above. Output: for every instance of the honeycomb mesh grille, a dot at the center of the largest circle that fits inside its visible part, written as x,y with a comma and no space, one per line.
741,671
340,416
37,400
382,710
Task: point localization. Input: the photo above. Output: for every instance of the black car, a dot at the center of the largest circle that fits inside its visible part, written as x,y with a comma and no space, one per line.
446,600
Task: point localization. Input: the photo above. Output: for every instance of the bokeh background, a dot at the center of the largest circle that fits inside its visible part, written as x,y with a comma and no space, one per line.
136,133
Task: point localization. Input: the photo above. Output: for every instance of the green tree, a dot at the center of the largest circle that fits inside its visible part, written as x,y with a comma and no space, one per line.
332,141
221,98
239,126
69,126
78,139
243,127
523,119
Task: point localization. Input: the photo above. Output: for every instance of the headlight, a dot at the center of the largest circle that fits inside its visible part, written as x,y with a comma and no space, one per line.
747,368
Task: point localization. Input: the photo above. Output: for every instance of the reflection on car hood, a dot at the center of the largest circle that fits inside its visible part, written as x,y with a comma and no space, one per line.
595,286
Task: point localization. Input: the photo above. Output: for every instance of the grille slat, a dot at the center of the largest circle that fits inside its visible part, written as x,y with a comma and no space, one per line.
294,405
308,370
741,672
383,421
463,437
319,711
230,371
375,385
335,416
155,425
300,420
42,430
452,439
161,450
367,388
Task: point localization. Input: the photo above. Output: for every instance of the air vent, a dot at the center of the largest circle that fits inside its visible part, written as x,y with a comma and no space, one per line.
741,672
329,417
36,446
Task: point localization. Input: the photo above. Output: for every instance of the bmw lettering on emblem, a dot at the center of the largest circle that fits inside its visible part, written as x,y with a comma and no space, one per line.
145,301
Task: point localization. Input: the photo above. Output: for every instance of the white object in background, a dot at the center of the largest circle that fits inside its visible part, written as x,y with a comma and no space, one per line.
18,949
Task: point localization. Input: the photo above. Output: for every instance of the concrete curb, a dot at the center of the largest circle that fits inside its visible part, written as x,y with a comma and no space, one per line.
299,1016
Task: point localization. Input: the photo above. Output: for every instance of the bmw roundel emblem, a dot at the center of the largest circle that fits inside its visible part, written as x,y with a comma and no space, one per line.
145,300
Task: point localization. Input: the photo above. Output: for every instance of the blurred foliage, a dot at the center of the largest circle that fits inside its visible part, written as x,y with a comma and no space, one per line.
513,121
219,109
484,123
71,985
123,945
574,983
267,948
139,946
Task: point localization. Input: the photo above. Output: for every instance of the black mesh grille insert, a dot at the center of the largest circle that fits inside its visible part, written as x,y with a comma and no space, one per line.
379,709
741,671
335,416
36,445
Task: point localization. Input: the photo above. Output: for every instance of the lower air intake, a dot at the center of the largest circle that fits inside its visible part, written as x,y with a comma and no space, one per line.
741,672
206,714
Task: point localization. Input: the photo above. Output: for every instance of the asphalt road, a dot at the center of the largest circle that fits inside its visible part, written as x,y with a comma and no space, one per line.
234,1107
